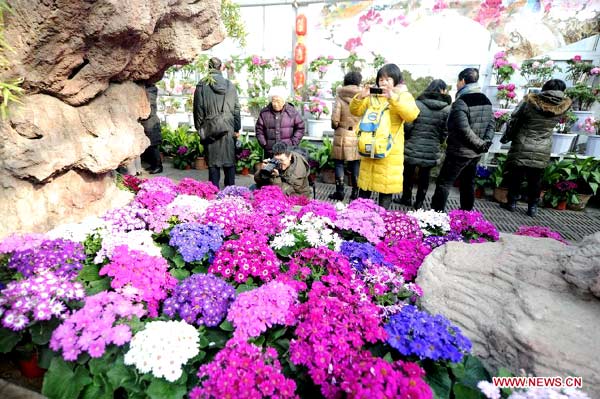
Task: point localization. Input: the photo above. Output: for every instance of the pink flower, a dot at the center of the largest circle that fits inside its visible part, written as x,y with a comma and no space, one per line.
256,60
353,43
439,5
510,87
511,94
595,71
577,58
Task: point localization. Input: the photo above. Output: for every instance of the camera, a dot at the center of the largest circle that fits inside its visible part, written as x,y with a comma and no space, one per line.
271,165
375,90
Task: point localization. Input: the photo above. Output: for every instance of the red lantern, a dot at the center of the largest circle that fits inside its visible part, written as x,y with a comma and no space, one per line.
300,53
299,79
301,25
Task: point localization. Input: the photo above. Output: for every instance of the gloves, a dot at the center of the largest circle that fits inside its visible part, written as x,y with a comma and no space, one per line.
485,146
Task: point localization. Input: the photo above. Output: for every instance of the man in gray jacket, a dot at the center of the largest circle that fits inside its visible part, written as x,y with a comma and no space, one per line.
470,132
217,120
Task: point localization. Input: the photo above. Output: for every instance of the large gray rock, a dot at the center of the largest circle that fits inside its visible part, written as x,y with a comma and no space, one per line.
80,114
525,303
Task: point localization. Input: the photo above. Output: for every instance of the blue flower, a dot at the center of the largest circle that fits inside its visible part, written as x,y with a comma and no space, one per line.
194,240
361,254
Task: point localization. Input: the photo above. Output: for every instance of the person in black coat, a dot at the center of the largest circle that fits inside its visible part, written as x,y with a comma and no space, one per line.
470,131
152,130
215,100
422,140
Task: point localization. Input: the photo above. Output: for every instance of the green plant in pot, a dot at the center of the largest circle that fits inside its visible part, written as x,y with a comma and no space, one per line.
563,191
583,96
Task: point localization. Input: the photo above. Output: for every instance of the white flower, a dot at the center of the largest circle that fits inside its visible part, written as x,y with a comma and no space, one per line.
189,203
77,232
163,347
431,220
139,240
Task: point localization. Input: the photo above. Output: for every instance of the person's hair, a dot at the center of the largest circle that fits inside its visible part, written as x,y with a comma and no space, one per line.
352,78
470,75
214,63
281,148
389,71
436,86
278,91
554,84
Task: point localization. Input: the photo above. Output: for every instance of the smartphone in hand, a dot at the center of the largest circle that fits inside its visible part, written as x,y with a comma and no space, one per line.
375,90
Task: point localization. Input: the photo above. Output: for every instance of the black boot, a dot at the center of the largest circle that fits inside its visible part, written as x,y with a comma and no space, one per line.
405,200
385,200
158,169
510,205
339,191
419,200
532,209
354,183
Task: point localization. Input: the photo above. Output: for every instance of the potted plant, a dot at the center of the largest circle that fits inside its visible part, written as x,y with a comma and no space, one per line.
317,108
322,156
583,96
586,173
353,63
578,69
562,138
506,95
592,126
482,180
560,194
537,72
320,65
497,179
502,68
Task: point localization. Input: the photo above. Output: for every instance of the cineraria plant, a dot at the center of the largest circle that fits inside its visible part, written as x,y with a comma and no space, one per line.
195,241
540,231
416,333
362,220
361,255
63,257
162,348
403,254
202,189
308,231
472,226
387,288
201,299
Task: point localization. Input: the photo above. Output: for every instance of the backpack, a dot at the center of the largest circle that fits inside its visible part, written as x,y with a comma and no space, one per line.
374,131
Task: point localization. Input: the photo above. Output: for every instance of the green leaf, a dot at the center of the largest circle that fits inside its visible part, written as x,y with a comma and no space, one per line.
120,375
243,288
42,332
178,260
179,274
218,338
439,380
45,356
458,370
464,392
167,251
503,372
226,326
203,342
99,366
8,340
90,273
61,381
474,372
98,390
260,341
162,389
278,333
96,286
388,357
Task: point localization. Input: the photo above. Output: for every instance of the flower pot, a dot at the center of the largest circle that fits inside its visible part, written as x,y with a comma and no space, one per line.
562,142
29,367
479,192
200,163
501,194
581,115
583,200
593,146
316,127
561,206
245,171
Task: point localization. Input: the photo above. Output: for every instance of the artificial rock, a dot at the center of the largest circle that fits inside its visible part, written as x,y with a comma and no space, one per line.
83,65
526,303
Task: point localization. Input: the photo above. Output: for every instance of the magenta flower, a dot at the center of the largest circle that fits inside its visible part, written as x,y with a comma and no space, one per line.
353,43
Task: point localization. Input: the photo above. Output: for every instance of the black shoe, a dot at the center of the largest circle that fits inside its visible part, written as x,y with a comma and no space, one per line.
354,193
337,196
156,170
418,205
509,206
148,168
403,201
532,210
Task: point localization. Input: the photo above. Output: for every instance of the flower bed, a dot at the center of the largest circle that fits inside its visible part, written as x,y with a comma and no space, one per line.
190,291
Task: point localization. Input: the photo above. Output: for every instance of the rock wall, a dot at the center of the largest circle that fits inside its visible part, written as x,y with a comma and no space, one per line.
526,303
84,64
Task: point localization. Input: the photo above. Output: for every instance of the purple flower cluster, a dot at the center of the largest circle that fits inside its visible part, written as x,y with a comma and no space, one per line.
96,325
156,193
243,370
402,226
437,241
361,255
127,218
202,189
414,332
146,277
407,255
230,214
540,231
319,208
256,310
21,242
247,256
472,226
234,191
364,218
564,186
194,240
37,298
63,257
201,299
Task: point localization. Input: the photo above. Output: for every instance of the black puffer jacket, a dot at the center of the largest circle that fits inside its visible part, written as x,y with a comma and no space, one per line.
530,128
208,100
152,124
424,136
470,124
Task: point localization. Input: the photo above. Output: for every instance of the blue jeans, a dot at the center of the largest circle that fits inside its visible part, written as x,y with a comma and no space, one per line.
353,167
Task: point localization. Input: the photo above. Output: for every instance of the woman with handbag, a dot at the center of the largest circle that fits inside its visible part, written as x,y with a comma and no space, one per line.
344,136
384,174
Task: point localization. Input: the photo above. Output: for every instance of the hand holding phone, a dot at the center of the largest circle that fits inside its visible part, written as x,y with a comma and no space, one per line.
375,90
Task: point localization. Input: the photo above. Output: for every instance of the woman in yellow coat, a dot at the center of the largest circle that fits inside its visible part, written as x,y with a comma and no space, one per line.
385,175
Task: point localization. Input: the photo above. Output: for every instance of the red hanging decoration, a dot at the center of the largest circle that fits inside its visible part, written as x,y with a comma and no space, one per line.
300,53
301,25
299,79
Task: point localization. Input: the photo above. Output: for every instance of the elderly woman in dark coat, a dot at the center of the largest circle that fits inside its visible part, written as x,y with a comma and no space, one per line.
278,121
423,138
530,130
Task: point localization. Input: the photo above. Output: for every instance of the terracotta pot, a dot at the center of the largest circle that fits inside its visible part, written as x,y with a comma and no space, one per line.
561,206
479,192
501,194
29,367
200,163
245,171
583,200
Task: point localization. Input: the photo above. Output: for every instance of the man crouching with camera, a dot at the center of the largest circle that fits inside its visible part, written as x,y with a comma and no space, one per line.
287,169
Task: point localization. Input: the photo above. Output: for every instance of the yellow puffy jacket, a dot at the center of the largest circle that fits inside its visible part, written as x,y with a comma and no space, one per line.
385,175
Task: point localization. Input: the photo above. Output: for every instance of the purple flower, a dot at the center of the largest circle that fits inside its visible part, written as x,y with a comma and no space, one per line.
361,255
182,150
63,257
194,240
